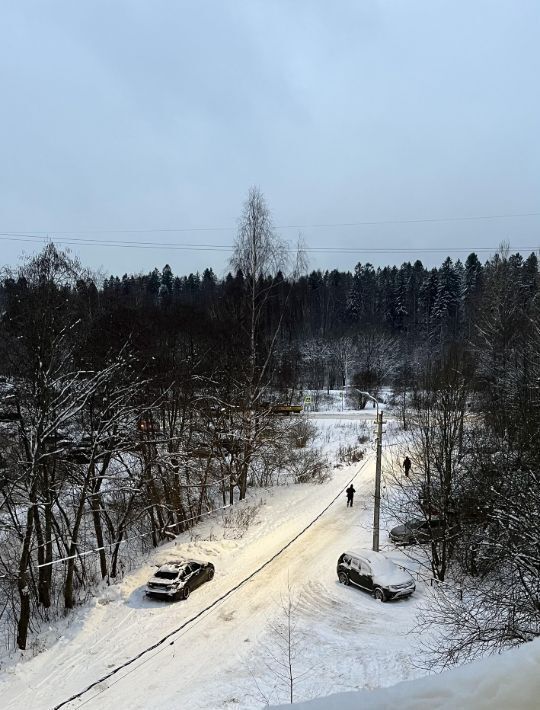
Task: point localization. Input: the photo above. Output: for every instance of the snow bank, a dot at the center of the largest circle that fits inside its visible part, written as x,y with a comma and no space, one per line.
509,680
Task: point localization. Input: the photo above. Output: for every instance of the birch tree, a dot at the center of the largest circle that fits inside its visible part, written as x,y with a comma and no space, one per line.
260,255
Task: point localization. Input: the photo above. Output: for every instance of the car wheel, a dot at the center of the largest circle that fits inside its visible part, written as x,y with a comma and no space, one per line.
185,593
379,594
210,574
343,578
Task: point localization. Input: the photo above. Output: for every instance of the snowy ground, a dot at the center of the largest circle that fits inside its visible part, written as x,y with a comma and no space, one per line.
505,682
344,401
348,640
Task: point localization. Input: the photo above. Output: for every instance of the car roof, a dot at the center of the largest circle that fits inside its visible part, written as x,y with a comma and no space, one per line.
177,564
369,555
172,566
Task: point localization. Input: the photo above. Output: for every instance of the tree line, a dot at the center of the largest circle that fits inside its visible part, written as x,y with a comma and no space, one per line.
130,407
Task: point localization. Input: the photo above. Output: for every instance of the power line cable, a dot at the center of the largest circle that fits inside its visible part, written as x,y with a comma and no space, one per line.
217,601
323,225
95,550
172,246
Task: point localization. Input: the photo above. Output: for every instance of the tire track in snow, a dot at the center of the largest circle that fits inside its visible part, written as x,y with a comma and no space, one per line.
72,660
202,613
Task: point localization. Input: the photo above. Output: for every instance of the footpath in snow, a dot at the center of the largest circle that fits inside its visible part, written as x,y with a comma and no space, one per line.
349,640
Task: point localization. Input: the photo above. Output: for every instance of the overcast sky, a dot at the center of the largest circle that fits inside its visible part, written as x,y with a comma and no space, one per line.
137,115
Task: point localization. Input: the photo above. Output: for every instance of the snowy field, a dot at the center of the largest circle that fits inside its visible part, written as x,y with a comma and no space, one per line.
347,640
510,681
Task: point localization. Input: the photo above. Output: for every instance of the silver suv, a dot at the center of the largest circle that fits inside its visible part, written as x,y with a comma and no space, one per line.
375,573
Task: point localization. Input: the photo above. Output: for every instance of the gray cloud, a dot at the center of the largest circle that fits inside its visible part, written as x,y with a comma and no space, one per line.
135,115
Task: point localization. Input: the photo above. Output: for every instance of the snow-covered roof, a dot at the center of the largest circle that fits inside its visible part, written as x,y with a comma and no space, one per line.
369,555
175,565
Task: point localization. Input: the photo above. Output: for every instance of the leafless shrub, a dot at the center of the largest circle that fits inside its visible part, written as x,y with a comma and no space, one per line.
308,466
350,454
363,434
358,431
301,432
236,520
271,459
486,618
265,469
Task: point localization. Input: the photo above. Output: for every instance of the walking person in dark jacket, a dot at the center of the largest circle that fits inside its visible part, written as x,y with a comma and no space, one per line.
350,495
407,465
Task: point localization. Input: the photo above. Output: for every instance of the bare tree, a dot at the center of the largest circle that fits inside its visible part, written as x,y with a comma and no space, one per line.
261,256
434,441
258,253
316,359
284,649
345,355
496,556
378,357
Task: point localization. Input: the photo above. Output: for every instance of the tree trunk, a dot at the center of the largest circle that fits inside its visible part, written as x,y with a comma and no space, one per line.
98,527
47,569
44,594
22,581
69,601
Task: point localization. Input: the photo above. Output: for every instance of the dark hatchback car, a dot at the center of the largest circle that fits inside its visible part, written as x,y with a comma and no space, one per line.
177,579
416,531
375,573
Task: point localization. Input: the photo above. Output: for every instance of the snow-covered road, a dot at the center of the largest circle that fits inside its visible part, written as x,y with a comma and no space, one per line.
218,661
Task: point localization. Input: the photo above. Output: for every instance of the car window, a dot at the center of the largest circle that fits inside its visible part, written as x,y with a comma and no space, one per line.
346,560
364,568
165,574
194,566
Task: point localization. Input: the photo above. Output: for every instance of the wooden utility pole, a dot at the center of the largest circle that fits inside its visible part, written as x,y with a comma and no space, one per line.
378,467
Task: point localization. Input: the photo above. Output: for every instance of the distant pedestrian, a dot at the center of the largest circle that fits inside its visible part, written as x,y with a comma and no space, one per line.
407,465
350,495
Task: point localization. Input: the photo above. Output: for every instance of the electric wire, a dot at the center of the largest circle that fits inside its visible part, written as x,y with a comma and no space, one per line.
211,606
95,550
322,225
226,249
68,237
207,484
